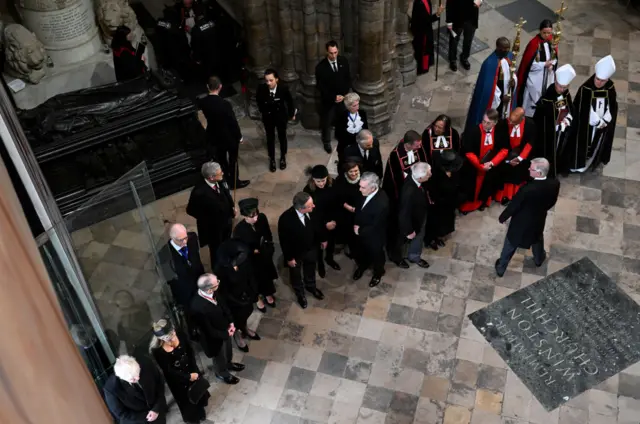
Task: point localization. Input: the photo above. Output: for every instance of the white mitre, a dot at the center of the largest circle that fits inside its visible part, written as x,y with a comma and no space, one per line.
565,74
605,68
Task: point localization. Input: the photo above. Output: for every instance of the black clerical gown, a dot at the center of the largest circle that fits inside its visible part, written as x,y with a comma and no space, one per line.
551,110
589,145
398,168
521,138
422,19
444,192
478,148
437,144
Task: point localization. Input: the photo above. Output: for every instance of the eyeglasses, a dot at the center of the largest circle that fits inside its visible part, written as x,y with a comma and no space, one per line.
182,240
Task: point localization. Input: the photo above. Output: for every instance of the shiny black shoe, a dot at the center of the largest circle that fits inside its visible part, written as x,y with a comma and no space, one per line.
465,64
244,348
498,271
234,366
283,163
453,66
483,207
230,379
374,281
263,309
302,301
316,293
358,274
333,264
272,165
327,148
504,201
433,245
255,336
422,263
241,184
403,264
440,242
539,264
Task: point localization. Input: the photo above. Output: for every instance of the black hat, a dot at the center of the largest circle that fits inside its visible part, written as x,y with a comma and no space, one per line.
319,172
231,253
450,161
248,206
164,331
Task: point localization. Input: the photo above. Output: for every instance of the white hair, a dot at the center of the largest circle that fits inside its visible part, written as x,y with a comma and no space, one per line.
363,136
350,98
420,170
205,282
541,165
127,368
209,169
371,179
175,229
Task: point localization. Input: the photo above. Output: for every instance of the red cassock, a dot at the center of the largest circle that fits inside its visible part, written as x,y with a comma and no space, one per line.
520,137
477,152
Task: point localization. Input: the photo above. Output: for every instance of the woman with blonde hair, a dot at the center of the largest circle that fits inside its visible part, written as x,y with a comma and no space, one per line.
174,354
349,123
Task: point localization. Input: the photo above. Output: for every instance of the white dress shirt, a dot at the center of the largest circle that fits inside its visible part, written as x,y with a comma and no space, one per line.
364,153
212,185
366,200
334,65
301,216
175,246
273,92
540,178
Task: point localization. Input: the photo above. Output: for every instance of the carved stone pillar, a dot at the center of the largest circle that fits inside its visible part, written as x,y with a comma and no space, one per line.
257,29
389,63
288,67
371,84
404,49
335,24
309,100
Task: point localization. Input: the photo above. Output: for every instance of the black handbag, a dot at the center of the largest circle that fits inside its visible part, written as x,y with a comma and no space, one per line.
198,389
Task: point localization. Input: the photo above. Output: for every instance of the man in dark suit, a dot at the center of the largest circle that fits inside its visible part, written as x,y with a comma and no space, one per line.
528,213
299,235
276,107
333,79
186,263
412,216
211,204
366,151
462,21
212,317
370,227
223,132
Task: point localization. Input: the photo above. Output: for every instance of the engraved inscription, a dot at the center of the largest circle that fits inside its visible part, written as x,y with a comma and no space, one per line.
68,25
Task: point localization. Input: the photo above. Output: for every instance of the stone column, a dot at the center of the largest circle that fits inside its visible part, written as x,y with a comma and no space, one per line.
288,67
309,96
388,62
335,24
370,84
404,50
256,26
67,28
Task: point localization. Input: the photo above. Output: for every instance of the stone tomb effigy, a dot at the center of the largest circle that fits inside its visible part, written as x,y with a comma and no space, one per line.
565,333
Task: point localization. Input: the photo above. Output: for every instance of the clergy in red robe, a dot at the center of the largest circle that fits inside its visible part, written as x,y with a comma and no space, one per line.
422,18
537,68
484,149
514,171
439,137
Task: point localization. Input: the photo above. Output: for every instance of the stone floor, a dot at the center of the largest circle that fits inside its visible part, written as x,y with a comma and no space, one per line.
405,352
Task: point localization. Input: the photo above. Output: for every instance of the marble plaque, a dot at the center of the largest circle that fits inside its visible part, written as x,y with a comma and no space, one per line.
564,334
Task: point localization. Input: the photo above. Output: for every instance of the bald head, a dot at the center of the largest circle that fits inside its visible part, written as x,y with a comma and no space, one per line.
516,116
178,234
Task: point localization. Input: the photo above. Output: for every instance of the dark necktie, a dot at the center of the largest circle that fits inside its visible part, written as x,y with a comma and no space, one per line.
185,252
306,220
334,66
272,94
216,188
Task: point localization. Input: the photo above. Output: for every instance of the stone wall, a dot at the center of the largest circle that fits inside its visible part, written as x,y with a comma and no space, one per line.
289,35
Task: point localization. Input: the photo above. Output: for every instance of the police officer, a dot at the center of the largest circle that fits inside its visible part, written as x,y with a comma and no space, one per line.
203,47
276,106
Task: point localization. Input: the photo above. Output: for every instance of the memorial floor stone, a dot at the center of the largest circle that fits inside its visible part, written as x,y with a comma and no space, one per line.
477,45
565,333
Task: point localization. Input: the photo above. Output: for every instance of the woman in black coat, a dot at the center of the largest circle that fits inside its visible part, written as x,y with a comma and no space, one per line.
348,197
135,393
254,231
320,188
348,123
173,353
237,287
127,61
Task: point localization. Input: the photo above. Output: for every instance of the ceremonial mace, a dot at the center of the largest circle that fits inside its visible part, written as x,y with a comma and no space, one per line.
555,40
515,50
438,40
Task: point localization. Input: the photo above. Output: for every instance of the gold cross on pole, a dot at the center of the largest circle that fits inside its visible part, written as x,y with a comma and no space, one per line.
520,23
560,11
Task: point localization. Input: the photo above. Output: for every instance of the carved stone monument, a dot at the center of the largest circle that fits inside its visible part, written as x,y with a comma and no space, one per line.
372,34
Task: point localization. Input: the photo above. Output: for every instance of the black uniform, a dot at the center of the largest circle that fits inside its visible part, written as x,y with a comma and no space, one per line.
277,109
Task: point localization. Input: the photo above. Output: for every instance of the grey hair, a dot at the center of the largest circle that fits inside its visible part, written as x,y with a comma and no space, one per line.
210,169
420,170
351,98
300,199
363,136
205,282
126,368
541,165
371,179
175,228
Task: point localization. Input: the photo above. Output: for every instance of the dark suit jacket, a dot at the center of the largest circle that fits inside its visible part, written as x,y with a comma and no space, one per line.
528,211
330,83
213,212
212,321
373,164
372,220
222,125
460,11
188,272
278,108
129,404
413,208
296,239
